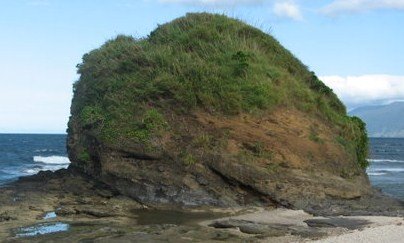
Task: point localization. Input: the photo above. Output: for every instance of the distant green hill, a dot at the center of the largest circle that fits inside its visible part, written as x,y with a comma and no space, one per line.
383,120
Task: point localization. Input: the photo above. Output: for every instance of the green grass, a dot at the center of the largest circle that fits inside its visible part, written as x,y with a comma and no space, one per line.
200,61
313,136
91,116
258,149
84,156
203,141
188,159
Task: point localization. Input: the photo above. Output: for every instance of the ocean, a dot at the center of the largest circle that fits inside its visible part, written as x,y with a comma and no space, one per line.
387,165
23,155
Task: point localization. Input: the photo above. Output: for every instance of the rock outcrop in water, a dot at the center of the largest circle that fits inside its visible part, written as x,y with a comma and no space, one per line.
210,111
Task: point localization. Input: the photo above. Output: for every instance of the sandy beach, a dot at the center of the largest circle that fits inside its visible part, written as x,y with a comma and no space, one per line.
382,233
326,229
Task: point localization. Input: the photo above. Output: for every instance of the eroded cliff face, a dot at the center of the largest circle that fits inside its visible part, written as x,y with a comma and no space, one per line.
168,121
241,160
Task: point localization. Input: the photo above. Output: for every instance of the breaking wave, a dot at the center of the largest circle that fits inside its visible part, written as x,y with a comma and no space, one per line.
55,160
385,160
376,173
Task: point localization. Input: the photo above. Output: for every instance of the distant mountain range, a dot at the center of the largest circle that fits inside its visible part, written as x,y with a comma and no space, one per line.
383,120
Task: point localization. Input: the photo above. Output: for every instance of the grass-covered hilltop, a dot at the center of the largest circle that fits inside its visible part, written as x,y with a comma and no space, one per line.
208,110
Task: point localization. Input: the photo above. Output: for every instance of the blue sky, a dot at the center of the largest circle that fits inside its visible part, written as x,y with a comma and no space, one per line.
355,46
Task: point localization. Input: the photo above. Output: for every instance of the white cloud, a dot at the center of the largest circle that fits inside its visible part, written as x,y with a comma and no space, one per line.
348,6
287,10
281,9
214,2
366,89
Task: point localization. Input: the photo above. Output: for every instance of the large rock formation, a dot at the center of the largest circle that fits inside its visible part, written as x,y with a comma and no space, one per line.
210,111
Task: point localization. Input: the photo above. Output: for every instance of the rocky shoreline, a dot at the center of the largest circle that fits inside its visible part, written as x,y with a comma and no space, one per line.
80,208
206,130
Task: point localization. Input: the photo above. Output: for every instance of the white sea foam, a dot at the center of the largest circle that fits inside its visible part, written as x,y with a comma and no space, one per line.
51,167
43,150
386,170
45,163
32,171
56,160
385,160
376,173
392,170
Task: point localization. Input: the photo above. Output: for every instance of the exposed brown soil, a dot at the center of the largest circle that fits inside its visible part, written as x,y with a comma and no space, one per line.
286,134
279,158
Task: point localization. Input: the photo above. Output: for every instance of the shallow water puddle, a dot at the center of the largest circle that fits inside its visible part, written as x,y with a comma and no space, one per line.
149,217
50,215
42,229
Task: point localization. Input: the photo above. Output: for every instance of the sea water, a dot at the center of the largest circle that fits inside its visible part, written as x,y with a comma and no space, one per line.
386,169
23,155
